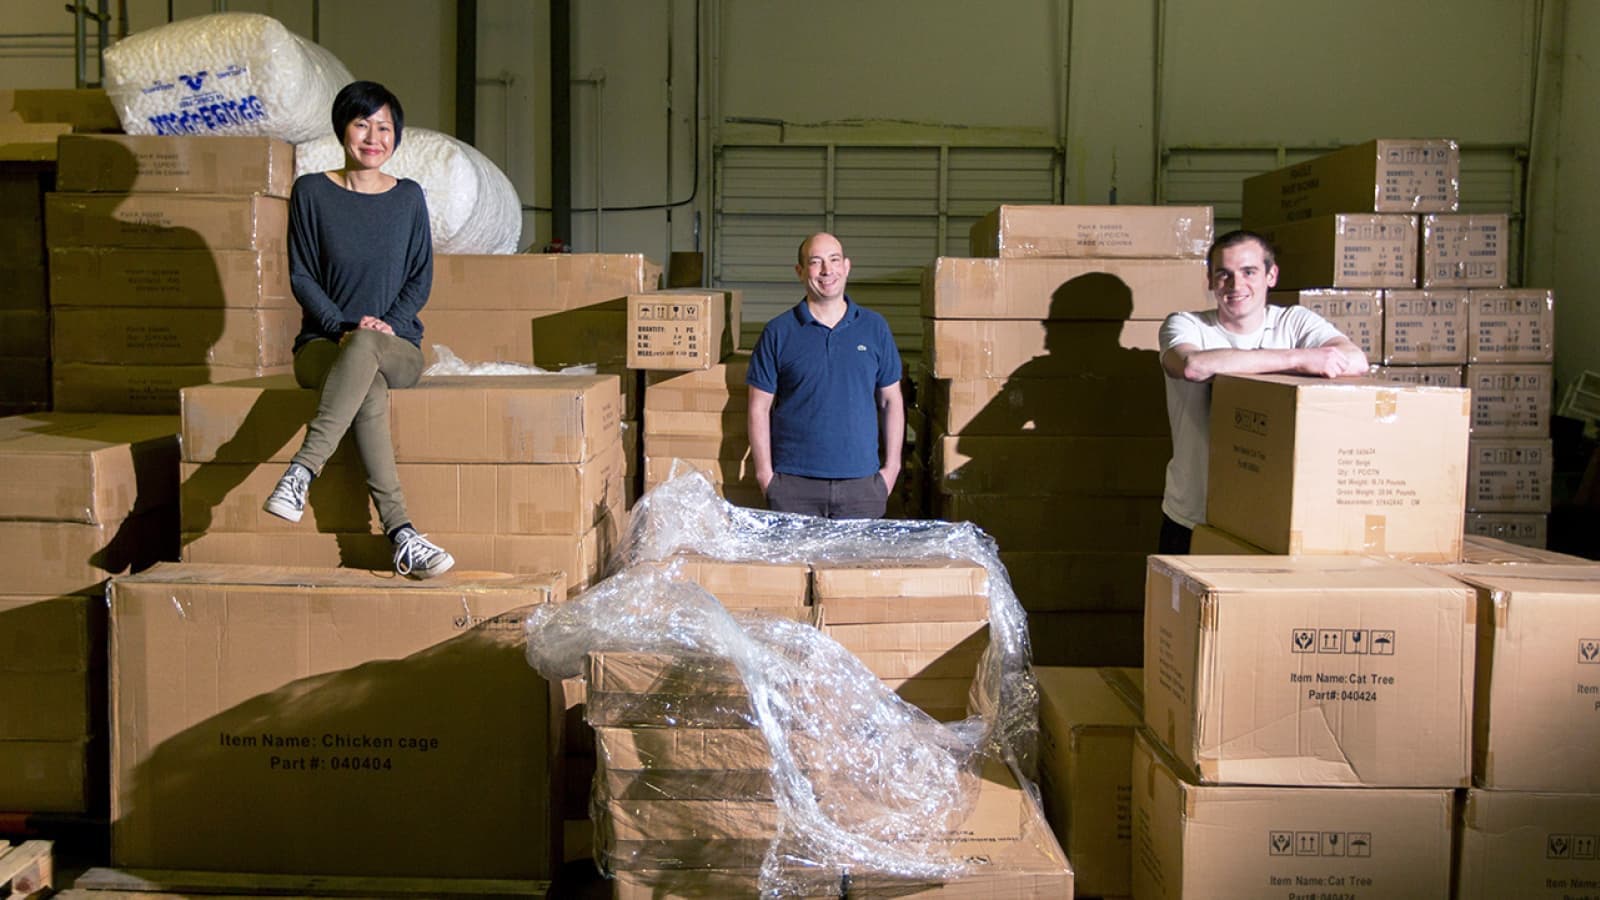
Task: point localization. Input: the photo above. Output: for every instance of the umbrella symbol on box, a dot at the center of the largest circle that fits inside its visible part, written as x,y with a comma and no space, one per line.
1360,843
1382,643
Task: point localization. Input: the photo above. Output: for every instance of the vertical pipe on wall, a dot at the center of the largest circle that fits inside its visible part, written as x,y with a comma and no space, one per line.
467,71
80,36
1158,127
1544,13
672,26
1063,11
561,121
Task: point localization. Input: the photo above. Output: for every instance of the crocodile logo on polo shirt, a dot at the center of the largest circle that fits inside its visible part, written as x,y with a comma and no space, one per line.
862,347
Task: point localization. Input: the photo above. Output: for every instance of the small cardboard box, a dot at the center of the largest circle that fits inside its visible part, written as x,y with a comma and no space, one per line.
1265,843
966,348
1465,250
148,164
1430,376
1510,475
1539,846
94,469
747,584
1537,726
326,705
1182,232
167,221
536,282
171,279
1357,314
244,338
1084,466
1385,176
1510,400
1317,466
1063,289
1120,404
1525,529
73,557
679,330
1511,326
1310,670
1424,327
140,390
1347,250
1086,725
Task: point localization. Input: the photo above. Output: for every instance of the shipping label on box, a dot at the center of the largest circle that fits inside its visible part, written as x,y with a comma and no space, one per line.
966,348
244,338
1526,529
90,468
1425,327
1268,843
171,279
1063,289
1386,176
167,221
1357,314
216,164
1134,231
1427,376
1316,466
1540,846
547,282
1465,250
677,330
1310,670
1347,250
1510,401
1510,475
1511,326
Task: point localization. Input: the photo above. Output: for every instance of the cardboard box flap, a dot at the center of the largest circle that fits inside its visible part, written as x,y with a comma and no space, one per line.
1224,574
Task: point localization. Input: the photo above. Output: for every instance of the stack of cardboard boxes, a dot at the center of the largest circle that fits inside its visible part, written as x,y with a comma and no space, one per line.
168,267
1045,400
82,498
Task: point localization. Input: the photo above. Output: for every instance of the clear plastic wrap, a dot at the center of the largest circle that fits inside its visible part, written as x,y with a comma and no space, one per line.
472,205
447,363
227,73
858,783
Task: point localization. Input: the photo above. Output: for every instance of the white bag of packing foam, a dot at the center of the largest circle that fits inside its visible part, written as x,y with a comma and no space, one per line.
472,205
228,73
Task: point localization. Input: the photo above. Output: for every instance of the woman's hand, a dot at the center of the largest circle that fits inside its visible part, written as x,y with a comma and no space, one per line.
375,324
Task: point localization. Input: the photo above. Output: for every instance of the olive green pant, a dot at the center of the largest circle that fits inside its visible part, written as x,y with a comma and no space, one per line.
355,377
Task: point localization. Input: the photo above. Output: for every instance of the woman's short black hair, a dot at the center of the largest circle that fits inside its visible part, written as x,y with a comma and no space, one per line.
359,99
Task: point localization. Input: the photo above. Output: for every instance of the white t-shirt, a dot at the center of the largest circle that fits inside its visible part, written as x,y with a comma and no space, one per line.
1189,402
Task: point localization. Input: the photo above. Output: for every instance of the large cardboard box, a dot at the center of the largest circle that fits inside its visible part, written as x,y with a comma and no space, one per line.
1424,327
168,221
1088,523
1510,475
94,469
53,776
967,348
1308,465
720,388
1538,846
171,279
1087,719
1511,326
1090,466
140,390
213,164
1086,638
1431,376
747,584
1385,175
243,338
84,109
546,282
1347,250
1075,581
25,333
1123,403
1063,289
1311,670
681,329
1183,232
1465,250
24,385
456,419
1510,400
73,557
900,590
1486,549
1537,726
298,721
1261,843
1357,314
1526,529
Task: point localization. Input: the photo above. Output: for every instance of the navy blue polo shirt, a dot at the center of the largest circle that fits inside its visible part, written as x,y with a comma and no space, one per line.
825,385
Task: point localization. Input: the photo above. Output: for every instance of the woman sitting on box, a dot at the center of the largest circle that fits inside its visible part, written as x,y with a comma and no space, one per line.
361,265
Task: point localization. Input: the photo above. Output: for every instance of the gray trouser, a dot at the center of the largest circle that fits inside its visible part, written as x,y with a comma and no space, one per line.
830,498
355,377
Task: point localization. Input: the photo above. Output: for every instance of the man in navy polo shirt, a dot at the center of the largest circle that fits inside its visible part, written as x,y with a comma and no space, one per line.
824,384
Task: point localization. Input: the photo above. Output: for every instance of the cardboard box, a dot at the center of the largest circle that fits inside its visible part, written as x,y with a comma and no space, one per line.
747,584
1357,314
1121,404
1310,670
595,334
1093,638
1424,327
680,329
640,689
1255,843
1479,549
1510,400
171,279
900,590
536,281
326,704
1209,541
1537,720
140,390
1385,176
731,422
1431,376
448,419
1466,250
31,142
1063,289
1311,466
1047,522
24,385
1183,232
722,473
1525,529
1511,326
963,348
73,557
167,221
25,333
1535,845
915,649
687,763
1090,466
44,633
85,109
1347,250
53,776
94,469
718,389
1510,475
211,165
51,706
1072,581
244,338
1086,727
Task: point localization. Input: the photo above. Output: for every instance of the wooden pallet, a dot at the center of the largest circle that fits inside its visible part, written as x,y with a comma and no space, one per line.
167,884
26,869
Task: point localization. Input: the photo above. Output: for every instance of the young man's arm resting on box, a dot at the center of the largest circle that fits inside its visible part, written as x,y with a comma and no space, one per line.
1331,360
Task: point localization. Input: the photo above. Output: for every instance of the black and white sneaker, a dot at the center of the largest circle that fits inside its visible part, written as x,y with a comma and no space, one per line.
417,557
288,499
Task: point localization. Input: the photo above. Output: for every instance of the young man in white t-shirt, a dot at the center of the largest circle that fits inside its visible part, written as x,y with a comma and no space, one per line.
1243,335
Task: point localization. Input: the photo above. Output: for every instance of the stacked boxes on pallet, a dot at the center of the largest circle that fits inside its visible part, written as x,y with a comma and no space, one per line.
1044,396
1510,360
82,498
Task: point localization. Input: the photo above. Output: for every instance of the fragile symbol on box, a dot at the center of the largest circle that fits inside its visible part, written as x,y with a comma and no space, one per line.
1589,651
1304,640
